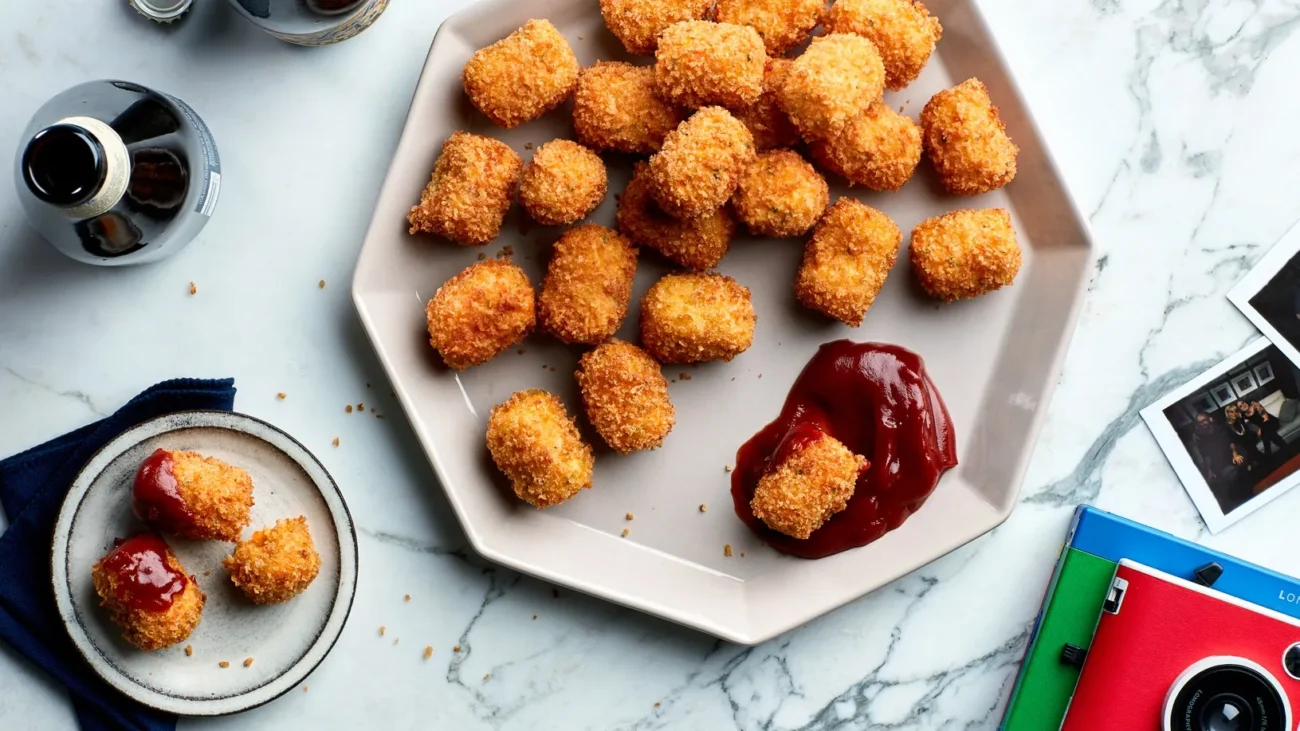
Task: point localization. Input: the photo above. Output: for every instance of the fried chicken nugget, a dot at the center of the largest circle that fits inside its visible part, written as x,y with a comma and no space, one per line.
878,150
835,80
846,261
146,592
192,496
783,24
814,479
469,194
276,564
698,243
534,441
637,23
616,108
902,30
765,119
588,284
480,312
967,253
697,169
626,396
562,183
690,318
780,195
522,76
967,141
700,62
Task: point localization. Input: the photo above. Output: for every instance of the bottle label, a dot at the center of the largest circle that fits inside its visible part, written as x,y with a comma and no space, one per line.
210,187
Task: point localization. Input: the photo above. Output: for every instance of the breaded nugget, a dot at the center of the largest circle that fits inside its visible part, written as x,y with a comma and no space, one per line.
965,253
813,480
522,76
878,150
562,183
637,23
700,62
534,441
276,564
588,284
902,30
780,195
835,80
783,24
698,243
696,171
765,119
616,108
690,318
467,198
192,496
846,261
967,141
480,312
147,593
626,396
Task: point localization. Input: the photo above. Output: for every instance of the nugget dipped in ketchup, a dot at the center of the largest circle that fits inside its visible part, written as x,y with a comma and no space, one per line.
192,496
146,591
809,478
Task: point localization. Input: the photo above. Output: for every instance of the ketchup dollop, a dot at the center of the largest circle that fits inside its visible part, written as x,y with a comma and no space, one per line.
878,400
142,578
156,497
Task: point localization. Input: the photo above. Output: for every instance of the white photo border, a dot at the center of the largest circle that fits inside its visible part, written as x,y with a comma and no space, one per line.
1181,459
1241,293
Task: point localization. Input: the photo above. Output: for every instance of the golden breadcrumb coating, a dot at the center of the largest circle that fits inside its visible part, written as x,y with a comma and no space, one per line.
562,183
218,495
150,630
902,30
696,171
535,442
878,150
700,62
783,24
835,80
469,194
965,253
637,23
522,76
811,484
626,397
616,108
698,243
967,141
588,284
780,194
846,261
690,318
765,119
480,312
276,564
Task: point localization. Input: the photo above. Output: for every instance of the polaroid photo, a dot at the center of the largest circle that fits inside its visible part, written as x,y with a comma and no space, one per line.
1269,295
1233,433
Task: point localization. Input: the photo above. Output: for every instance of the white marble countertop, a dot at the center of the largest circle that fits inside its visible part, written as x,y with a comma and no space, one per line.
1173,121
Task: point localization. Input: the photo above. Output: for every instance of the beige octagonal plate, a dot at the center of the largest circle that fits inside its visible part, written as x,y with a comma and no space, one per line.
995,360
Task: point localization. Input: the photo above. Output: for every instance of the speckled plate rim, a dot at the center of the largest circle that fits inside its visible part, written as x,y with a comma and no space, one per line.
330,631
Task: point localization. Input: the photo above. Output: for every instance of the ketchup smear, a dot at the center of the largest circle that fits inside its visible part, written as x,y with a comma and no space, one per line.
156,497
143,579
878,400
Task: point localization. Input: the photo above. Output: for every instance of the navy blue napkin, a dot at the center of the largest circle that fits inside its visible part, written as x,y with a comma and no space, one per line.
32,486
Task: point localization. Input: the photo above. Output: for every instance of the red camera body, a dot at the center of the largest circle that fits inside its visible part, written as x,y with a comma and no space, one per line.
1166,650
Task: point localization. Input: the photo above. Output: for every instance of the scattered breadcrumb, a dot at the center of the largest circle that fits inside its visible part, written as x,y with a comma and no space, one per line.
703,507
728,468
189,650
528,145
521,351
193,289
348,408
322,284
625,532
223,664
336,441
534,616
685,376
580,38
428,651
208,572
487,675
656,704
361,407
629,516
248,662
742,554
396,640
382,630
456,648
406,598
482,256
282,395
726,550
304,689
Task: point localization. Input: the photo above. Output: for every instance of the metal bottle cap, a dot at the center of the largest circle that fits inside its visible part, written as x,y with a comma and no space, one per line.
162,11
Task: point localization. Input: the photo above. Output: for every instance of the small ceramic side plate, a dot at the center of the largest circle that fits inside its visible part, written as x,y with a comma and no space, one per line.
284,641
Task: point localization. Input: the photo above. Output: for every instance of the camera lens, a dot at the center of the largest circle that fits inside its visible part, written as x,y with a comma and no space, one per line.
1227,694
1291,661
